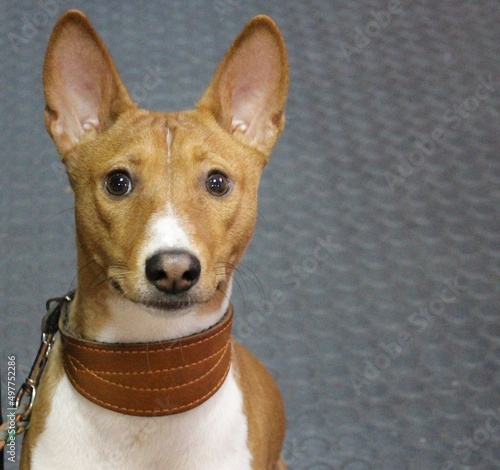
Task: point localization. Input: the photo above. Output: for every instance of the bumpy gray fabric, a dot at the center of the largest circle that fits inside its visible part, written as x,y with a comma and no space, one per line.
371,287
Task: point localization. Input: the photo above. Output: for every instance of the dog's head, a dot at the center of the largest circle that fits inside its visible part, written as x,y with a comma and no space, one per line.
165,202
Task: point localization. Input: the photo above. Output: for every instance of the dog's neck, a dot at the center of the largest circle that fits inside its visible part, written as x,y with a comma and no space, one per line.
122,321
129,322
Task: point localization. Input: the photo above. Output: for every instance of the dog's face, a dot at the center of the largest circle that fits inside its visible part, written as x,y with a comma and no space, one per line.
170,185
165,202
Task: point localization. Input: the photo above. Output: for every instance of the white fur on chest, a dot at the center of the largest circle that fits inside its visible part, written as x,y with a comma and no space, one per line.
80,435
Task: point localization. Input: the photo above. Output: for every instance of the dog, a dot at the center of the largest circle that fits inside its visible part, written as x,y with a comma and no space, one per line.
145,373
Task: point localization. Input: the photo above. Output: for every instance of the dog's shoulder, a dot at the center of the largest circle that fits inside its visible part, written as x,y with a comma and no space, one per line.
263,406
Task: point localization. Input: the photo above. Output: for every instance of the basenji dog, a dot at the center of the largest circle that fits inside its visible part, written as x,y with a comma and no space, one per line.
145,374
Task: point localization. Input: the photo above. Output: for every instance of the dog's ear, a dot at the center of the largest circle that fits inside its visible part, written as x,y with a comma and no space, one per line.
83,91
248,92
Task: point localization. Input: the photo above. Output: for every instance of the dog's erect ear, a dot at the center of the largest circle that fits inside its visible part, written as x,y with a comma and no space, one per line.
83,91
248,92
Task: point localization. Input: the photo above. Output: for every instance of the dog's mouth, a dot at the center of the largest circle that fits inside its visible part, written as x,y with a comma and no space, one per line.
170,305
163,302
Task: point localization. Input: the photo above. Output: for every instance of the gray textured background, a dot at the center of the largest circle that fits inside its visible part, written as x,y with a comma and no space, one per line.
371,286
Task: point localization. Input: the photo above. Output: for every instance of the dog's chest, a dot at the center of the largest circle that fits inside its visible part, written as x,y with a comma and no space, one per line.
212,436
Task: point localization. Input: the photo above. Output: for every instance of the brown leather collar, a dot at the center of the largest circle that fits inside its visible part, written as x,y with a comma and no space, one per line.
150,379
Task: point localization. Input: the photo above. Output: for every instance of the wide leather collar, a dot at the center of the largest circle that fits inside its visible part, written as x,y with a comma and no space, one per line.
150,379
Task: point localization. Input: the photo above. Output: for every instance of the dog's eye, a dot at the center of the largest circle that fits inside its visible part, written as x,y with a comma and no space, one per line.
118,183
218,184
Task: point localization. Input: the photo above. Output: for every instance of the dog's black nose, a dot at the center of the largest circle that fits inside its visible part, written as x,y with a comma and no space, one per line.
173,271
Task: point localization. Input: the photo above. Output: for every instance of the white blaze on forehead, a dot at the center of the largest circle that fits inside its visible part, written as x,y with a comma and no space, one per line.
169,162
169,144
166,230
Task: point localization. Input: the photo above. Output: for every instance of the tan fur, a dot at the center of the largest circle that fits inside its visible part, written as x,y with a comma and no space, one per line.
97,129
264,408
